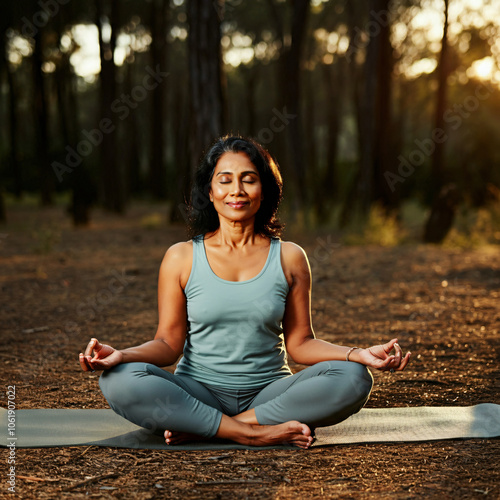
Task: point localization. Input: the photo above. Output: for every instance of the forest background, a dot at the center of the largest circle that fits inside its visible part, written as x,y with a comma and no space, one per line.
383,115
385,120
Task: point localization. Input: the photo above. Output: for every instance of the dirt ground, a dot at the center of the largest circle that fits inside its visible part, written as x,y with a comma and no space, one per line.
59,288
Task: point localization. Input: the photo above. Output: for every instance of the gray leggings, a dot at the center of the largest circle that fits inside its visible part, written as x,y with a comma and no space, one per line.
320,395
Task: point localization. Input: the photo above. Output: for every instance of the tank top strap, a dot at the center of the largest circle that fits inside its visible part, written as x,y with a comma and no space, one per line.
201,269
275,252
200,260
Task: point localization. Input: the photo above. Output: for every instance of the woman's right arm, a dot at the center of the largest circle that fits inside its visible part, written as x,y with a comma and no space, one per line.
168,343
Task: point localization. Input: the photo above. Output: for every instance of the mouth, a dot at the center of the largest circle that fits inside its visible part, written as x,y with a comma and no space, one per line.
237,204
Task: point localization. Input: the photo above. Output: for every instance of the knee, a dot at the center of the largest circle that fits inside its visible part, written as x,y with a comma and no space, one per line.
360,380
118,383
354,380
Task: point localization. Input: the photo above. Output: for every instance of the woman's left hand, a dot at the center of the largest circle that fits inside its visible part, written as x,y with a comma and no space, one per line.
380,357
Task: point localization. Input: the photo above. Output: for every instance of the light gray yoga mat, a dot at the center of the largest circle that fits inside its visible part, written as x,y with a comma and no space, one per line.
52,428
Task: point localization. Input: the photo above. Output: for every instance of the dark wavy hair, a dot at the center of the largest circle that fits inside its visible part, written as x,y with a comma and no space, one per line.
203,217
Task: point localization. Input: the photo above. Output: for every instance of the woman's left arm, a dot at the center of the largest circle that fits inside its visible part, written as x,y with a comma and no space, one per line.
300,341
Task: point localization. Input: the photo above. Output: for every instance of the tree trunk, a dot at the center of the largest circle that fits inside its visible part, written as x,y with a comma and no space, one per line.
207,85
3,214
364,188
334,83
442,213
292,60
443,71
65,83
41,117
157,169
373,112
313,170
357,86
63,86
182,176
15,167
134,183
252,75
385,153
113,190
289,72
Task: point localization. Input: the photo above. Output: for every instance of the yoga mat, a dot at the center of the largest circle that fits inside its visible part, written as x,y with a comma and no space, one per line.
52,428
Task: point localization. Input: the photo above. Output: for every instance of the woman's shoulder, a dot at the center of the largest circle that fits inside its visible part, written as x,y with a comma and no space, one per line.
293,252
180,250
293,261
178,261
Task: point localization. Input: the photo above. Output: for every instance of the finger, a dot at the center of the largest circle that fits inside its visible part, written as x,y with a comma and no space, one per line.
87,363
392,365
91,363
405,361
398,354
389,346
84,366
97,346
385,364
96,361
91,346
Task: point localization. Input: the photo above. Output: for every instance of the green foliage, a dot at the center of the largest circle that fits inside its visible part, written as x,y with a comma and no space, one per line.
472,228
379,229
475,227
153,221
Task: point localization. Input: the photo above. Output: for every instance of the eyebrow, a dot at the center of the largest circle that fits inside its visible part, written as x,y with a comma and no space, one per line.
246,172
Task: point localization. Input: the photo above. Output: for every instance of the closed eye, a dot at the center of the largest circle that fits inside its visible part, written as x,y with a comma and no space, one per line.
246,180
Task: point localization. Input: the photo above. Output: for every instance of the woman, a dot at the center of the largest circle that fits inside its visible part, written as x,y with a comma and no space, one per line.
235,301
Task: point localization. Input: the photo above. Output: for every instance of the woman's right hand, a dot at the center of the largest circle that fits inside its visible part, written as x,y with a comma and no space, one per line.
104,356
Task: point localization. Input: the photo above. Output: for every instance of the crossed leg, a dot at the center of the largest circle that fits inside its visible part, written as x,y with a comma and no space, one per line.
155,399
322,394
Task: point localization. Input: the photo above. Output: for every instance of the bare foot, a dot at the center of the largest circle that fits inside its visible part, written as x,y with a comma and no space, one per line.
174,437
291,432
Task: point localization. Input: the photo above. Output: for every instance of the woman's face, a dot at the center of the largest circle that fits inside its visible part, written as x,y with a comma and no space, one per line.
236,188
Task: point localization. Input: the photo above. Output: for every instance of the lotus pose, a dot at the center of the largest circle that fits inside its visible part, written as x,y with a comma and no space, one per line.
235,301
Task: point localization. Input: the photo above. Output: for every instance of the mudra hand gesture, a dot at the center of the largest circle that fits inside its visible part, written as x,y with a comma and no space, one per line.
380,357
104,357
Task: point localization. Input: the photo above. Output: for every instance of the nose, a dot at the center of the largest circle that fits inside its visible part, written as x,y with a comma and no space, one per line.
237,187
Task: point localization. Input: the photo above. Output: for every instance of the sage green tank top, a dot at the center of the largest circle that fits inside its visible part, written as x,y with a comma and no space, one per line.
235,337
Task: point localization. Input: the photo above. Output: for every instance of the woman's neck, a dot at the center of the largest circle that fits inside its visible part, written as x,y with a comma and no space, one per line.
235,234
